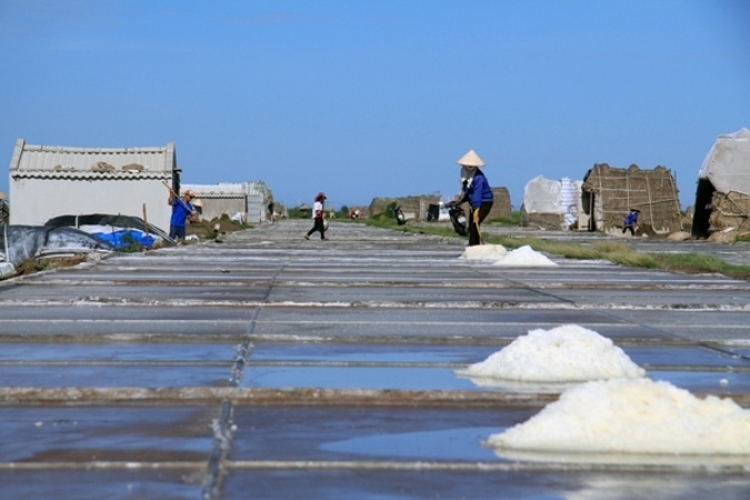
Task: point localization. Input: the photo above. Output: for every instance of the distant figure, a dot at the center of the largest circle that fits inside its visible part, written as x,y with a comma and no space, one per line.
318,217
630,221
182,210
4,209
270,212
476,190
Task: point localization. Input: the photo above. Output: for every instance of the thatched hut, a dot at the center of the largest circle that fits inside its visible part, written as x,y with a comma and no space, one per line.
609,193
722,199
501,206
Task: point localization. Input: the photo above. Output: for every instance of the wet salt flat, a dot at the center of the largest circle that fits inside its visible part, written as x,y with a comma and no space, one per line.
307,369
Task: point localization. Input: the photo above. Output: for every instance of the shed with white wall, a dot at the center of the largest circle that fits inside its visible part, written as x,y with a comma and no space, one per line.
219,199
48,181
249,198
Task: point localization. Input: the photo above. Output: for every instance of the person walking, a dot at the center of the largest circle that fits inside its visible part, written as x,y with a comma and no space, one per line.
475,188
182,210
630,221
318,217
4,209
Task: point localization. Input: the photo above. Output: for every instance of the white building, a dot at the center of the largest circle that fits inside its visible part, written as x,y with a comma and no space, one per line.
48,181
250,199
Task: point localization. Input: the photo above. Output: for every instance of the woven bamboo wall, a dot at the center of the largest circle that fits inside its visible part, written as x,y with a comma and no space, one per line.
542,220
501,206
730,210
617,190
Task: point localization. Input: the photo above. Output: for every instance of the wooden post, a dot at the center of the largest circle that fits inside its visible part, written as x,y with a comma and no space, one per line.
145,224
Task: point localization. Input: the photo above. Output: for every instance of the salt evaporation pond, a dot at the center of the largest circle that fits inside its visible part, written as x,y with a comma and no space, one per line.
524,257
568,353
632,416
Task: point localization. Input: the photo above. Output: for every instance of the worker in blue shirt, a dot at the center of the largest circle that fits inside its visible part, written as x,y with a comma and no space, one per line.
476,190
630,221
182,210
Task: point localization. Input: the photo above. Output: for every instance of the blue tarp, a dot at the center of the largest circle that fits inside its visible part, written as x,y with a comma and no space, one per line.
125,238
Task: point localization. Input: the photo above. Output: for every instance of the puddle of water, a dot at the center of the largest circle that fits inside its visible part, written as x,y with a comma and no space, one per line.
709,382
117,376
447,445
97,484
117,352
384,353
466,445
355,378
681,356
445,379
741,352
78,433
496,485
426,353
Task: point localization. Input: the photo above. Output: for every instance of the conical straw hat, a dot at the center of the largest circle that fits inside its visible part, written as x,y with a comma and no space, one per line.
471,159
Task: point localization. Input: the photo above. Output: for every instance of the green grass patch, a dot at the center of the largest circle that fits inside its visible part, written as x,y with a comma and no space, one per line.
612,251
514,220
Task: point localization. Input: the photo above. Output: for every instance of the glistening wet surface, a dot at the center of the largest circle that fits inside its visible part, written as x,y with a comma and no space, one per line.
165,483
268,366
409,379
412,484
329,352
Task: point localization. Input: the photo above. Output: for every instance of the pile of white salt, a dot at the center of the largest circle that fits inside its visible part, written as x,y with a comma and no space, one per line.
568,353
483,252
521,257
524,257
632,416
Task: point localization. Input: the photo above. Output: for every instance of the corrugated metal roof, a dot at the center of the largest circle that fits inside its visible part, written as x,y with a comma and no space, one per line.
89,175
224,188
69,162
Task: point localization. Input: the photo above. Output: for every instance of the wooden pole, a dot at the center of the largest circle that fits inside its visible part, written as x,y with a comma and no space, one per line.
145,224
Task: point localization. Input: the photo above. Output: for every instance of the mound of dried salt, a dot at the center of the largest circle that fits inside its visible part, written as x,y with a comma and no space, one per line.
483,252
568,353
632,416
525,257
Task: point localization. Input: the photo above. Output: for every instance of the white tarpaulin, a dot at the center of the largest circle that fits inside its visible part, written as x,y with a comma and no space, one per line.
727,164
542,196
570,198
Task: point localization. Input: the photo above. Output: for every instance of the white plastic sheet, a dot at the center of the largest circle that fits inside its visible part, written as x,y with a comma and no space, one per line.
542,196
727,164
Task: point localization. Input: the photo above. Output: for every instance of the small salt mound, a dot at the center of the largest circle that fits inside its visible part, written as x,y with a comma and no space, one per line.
483,252
568,353
525,257
632,416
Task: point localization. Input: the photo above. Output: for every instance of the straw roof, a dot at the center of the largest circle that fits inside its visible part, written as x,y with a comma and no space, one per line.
471,159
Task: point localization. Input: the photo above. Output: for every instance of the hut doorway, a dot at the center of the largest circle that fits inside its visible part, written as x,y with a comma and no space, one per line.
703,197
587,204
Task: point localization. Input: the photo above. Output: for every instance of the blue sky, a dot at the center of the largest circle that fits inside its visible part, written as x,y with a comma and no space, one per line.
379,98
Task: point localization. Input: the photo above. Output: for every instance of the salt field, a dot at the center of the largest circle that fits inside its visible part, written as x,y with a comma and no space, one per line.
308,369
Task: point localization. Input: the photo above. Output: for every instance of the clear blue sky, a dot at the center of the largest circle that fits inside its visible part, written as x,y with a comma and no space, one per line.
379,98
